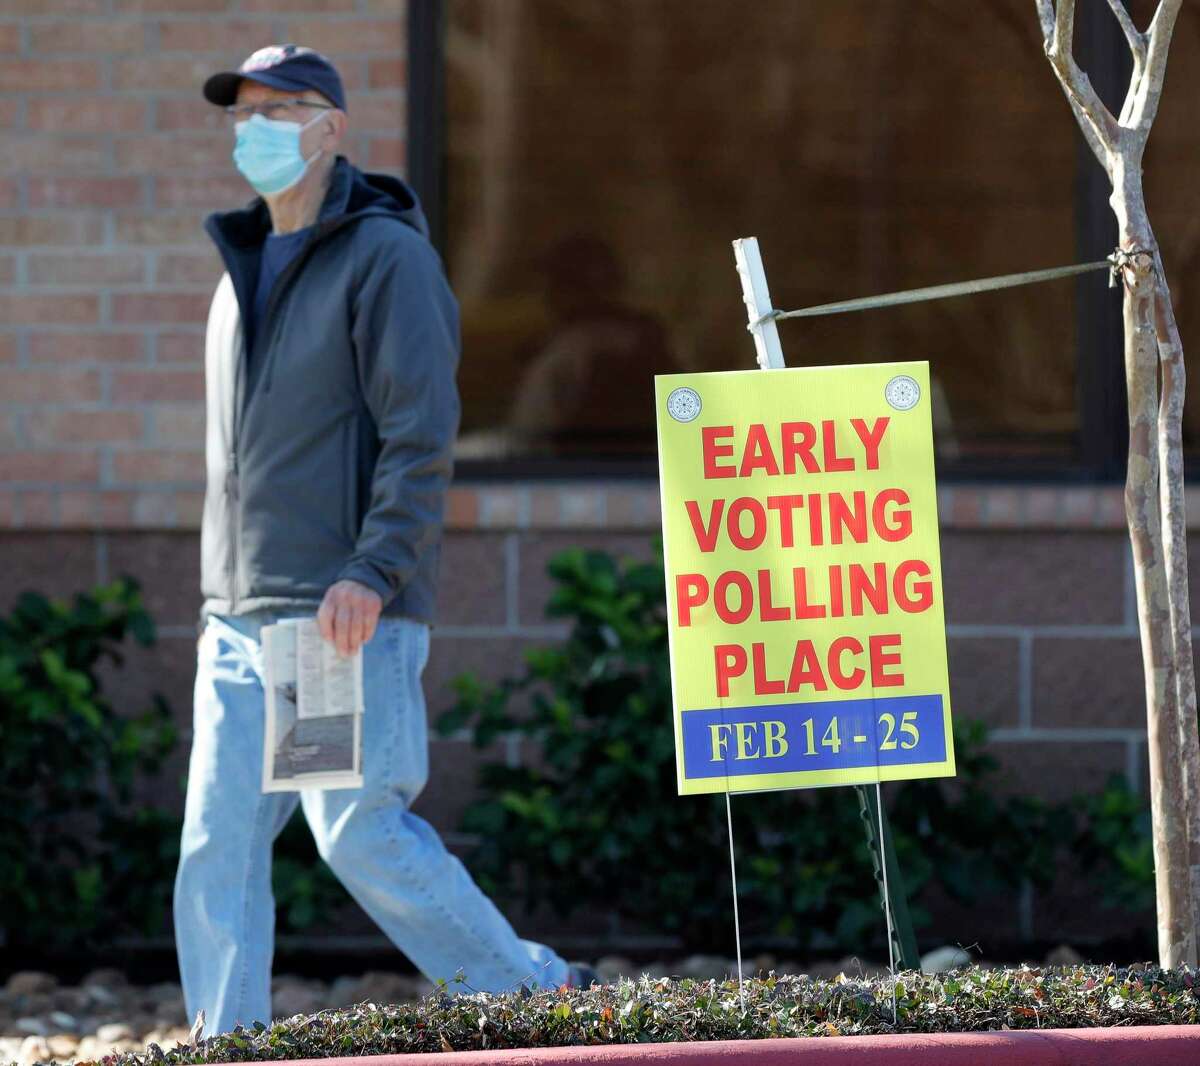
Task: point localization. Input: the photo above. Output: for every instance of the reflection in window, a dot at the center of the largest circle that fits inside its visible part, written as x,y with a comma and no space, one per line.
603,154
573,395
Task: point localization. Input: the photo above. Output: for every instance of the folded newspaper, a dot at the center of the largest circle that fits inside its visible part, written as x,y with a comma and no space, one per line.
314,710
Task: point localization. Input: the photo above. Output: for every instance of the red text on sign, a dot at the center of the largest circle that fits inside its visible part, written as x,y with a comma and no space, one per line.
796,449
814,518
852,588
846,664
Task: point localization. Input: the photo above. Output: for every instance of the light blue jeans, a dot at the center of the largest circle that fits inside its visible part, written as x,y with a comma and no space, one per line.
391,861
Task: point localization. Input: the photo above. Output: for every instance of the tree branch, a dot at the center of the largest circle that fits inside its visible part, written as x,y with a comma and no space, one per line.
1045,9
1145,106
1064,24
1161,28
1136,39
1090,135
1099,127
1137,48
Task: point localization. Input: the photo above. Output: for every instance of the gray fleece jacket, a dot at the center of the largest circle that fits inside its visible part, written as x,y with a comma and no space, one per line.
336,464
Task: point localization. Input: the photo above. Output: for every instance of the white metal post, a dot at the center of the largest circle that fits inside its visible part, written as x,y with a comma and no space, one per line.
758,303
737,925
770,357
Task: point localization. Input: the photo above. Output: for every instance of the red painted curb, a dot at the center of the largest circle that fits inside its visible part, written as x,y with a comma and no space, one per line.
1151,1045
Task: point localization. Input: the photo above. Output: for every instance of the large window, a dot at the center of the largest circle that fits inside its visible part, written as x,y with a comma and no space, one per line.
600,156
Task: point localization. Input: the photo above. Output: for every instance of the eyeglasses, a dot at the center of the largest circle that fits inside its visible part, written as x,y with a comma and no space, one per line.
271,109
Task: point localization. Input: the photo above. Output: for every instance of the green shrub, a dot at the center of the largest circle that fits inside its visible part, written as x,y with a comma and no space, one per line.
673,1011
82,861
594,819
1115,845
78,861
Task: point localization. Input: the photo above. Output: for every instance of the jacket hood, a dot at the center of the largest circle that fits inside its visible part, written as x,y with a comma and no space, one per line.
353,194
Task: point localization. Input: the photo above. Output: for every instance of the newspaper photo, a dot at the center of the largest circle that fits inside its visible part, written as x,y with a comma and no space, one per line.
314,710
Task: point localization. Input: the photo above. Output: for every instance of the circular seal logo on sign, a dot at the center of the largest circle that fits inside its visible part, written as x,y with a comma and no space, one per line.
902,393
683,404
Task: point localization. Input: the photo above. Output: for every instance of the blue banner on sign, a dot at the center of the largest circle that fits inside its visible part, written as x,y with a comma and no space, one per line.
794,737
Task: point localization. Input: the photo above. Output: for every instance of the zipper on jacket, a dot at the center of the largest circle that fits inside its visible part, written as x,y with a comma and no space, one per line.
231,492
350,474
232,487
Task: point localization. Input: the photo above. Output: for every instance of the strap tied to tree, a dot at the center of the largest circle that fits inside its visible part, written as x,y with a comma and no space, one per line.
1124,257
1114,264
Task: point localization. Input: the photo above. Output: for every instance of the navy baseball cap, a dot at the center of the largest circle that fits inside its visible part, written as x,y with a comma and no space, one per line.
281,66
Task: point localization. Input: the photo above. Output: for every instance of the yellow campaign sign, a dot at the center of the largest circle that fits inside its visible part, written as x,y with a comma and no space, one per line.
804,581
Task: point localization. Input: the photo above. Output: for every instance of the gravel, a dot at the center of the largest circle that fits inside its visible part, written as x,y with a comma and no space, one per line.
105,1014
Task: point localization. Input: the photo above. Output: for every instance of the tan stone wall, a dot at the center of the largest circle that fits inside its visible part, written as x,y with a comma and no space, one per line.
1039,605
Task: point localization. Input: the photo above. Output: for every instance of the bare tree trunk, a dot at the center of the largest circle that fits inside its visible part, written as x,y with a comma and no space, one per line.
1154,498
1175,551
1176,943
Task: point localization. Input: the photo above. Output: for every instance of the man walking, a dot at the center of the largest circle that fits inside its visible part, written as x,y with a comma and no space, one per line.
331,411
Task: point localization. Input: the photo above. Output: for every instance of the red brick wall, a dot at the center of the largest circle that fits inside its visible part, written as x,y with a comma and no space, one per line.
112,159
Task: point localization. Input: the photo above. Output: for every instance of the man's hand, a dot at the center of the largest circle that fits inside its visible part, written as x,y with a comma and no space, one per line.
348,615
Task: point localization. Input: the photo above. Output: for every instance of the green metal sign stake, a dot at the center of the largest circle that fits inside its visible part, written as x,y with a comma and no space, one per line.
887,876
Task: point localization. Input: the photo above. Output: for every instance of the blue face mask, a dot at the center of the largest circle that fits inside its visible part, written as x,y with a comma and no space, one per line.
267,153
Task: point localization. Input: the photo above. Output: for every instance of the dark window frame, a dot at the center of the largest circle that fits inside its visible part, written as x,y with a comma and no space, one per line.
1099,333
1100,380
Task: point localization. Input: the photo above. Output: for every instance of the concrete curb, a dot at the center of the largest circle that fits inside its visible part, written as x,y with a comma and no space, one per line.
1162,1045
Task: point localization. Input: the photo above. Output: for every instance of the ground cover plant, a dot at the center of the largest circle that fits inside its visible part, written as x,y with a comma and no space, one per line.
666,1010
